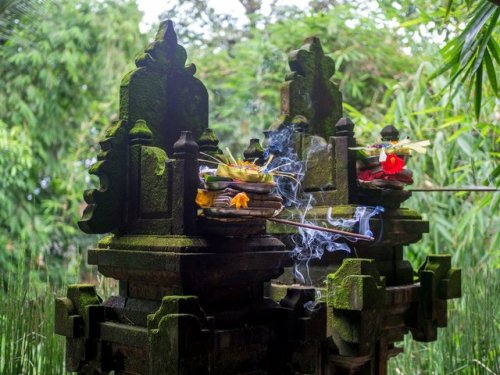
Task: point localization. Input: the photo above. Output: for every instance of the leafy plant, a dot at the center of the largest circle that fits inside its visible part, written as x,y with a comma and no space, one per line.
473,52
59,88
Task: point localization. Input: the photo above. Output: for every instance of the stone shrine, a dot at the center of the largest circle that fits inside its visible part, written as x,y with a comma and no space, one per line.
195,295
374,296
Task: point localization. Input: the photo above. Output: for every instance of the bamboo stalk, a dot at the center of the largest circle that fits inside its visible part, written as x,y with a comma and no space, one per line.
323,229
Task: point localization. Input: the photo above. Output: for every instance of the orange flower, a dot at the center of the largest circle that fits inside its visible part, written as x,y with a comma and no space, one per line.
393,164
205,198
240,200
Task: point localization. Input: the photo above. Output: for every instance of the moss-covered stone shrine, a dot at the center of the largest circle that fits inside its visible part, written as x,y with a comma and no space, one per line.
200,296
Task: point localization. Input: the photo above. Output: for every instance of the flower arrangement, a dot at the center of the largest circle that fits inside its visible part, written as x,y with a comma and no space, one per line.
237,188
238,170
383,165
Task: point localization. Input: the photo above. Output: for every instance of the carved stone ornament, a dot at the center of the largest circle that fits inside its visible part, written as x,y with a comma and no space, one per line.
158,100
309,92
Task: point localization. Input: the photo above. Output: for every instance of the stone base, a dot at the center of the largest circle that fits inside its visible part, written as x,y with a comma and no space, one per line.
176,336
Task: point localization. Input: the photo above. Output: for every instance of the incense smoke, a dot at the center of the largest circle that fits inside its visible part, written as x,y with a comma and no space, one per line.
309,244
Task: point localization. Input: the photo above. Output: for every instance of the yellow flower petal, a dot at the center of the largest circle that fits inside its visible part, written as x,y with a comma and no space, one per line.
240,200
205,198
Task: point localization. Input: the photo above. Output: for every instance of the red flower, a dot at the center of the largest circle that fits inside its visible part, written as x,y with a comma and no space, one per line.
365,175
393,164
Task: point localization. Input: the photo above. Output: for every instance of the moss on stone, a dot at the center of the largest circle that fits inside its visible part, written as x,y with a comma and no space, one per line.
127,78
140,130
82,296
208,136
278,291
156,155
355,286
174,305
130,242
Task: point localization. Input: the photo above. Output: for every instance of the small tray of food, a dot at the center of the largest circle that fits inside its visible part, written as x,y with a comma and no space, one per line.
383,165
239,189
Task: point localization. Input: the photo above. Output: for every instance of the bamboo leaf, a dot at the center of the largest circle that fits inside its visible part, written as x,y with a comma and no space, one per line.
493,176
484,40
450,64
479,17
452,121
494,50
490,70
415,21
448,9
478,91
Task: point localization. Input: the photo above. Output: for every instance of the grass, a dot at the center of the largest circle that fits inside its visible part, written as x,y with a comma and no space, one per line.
471,342
28,344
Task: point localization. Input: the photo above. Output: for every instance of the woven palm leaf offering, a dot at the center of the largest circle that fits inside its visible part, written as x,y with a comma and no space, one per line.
383,165
239,189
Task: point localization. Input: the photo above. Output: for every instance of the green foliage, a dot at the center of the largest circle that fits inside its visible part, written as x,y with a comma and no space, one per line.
245,96
27,341
15,13
474,51
59,87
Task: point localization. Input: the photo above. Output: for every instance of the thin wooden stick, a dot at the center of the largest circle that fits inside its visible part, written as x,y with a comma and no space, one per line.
323,229
451,189
210,156
208,161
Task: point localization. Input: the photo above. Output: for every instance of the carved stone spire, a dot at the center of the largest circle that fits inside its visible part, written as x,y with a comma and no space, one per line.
163,91
308,90
158,101
185,147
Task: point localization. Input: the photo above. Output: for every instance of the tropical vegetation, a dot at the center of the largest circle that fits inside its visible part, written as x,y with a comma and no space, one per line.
428,67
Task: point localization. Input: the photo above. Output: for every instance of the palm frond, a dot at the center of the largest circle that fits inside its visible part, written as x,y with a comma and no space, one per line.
467,56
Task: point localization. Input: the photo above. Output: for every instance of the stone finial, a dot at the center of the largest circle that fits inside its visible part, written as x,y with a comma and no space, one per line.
254,150
185,147
178,342
164,51
309,92
438,283
356,294
344,127
140,133
300,123
208,142
389,133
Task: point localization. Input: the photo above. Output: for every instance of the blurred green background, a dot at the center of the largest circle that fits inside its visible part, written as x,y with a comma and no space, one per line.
428,67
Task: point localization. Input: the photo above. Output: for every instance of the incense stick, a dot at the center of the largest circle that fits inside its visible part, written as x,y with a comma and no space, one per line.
323,229
452,189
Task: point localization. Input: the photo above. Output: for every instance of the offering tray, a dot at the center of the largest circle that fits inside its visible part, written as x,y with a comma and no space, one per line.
254,187
249,187
257,212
